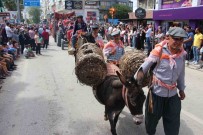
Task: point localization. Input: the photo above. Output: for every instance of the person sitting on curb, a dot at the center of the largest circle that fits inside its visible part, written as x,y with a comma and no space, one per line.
25,52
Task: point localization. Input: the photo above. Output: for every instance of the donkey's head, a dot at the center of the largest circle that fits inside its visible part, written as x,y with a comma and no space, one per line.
135,97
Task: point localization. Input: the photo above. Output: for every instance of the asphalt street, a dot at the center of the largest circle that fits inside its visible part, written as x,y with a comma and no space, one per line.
43,97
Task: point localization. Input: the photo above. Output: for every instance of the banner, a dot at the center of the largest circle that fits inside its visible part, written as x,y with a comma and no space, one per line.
176,3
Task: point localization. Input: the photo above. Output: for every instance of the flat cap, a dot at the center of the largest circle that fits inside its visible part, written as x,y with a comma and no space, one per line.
115,32
95,26
177,32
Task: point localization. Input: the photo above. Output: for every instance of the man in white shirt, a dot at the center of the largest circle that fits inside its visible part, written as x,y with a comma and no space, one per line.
9,32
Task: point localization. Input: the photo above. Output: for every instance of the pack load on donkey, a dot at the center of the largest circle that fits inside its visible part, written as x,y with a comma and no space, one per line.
129,64
90,66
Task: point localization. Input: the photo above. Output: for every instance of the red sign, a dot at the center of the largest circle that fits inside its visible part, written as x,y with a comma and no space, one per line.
90,13
4,14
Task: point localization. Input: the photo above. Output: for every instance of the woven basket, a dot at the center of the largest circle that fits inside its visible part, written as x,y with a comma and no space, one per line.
90,66
130,62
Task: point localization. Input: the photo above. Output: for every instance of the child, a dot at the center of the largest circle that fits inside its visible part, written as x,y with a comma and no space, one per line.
30,52
25,52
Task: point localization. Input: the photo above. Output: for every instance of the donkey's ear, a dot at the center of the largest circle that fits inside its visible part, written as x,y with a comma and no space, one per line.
139,76
122,78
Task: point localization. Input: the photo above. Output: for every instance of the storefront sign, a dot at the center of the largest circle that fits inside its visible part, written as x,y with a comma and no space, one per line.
92,3
73,5
192,13
91,13
2,14
176,3
140,13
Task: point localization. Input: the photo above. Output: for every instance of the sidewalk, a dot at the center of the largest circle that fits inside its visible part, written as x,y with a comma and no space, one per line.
196,67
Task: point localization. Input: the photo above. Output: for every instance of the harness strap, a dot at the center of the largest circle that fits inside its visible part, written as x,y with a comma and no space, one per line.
160,83
125,95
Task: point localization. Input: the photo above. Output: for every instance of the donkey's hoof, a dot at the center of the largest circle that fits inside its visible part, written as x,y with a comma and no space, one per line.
106,118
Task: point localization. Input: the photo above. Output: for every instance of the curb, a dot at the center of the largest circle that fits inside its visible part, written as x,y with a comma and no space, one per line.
195,67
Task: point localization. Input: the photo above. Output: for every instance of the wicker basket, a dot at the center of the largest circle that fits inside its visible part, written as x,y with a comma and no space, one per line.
90,65
130,62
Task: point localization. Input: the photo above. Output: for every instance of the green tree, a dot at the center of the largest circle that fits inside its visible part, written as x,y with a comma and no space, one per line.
121,11
35,13
11,5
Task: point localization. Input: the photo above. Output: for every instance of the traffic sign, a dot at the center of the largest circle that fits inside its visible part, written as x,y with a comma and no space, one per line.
32,3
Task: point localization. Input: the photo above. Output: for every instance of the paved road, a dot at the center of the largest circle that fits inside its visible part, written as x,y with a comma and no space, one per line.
43,97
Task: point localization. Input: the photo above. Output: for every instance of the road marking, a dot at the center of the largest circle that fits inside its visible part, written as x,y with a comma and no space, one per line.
192,116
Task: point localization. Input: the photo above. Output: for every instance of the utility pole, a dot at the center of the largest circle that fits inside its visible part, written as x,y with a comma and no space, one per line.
18,10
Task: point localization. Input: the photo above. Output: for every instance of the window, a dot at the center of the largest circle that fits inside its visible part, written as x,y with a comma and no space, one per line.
105,3
122,3
146,4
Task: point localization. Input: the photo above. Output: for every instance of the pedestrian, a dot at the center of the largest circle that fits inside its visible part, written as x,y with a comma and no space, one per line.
142,38
188,43
27,37
45,36
148,39
38,41
134,37
32,40
22,40
198,38
9,31
163,99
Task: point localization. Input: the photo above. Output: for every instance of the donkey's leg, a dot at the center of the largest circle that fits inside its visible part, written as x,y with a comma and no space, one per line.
111,120
75,55
116,118
105,114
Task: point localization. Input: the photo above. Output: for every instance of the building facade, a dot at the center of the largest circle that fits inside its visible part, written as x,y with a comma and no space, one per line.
184,12
148,6
92,10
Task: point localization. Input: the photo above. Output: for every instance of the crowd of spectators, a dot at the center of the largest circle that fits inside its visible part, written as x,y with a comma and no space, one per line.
145,38
17,40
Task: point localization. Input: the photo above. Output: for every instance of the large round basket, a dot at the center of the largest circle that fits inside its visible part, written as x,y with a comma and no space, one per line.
90,66
130,62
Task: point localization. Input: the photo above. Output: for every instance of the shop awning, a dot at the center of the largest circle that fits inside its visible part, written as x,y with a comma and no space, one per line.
192,13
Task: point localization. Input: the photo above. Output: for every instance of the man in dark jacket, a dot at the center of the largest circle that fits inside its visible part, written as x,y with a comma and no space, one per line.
22,40
80,27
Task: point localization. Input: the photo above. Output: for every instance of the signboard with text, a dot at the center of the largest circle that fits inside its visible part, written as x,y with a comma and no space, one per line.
69,5
140,13
4,14
32,3
91,3
176,3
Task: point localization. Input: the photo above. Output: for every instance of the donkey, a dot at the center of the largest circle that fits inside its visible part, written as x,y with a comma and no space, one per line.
109,93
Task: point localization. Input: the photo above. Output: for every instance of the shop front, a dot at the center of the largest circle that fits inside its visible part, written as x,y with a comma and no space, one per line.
180,12
141,20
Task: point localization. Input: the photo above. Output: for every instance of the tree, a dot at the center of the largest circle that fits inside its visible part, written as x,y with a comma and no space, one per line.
11,5
121,11
35,13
